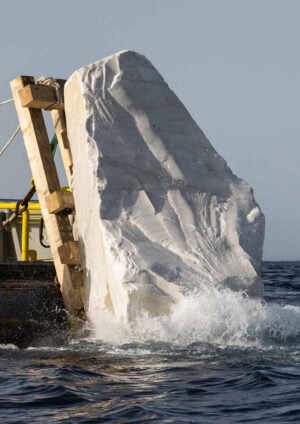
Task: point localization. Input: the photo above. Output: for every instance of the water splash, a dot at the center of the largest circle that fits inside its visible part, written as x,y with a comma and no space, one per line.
220,317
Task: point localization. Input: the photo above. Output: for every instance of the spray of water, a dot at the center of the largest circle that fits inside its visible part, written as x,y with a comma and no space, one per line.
215,316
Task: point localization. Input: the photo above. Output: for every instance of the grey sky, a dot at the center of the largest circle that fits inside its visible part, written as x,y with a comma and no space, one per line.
234,64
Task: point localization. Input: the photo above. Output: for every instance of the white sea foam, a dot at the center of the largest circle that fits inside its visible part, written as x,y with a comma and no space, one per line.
8,346
212,315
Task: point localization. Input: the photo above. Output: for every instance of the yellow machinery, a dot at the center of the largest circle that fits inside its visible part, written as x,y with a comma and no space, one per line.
23,239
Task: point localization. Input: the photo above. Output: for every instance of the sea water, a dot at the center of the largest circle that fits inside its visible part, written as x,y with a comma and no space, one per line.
219,357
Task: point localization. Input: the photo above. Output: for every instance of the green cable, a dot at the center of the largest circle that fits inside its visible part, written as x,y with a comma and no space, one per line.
54,143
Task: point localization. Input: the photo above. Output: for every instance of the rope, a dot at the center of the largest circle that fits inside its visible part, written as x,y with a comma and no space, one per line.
6,101
22,205
52,83
10,140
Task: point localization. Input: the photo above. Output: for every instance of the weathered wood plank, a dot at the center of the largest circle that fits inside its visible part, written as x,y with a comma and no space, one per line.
46,181
40,97
59,122
59,201
69,253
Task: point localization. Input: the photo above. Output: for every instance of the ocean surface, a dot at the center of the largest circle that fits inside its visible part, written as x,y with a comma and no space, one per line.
219,358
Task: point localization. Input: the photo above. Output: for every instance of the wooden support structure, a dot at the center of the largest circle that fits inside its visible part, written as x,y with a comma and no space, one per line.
55,204
59,122
41,96
60,201
69,253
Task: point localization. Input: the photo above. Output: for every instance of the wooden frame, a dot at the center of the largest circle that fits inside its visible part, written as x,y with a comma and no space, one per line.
29,99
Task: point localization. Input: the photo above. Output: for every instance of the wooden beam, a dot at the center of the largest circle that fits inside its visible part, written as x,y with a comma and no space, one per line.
40,97
69,253
60,201
59,230
59,122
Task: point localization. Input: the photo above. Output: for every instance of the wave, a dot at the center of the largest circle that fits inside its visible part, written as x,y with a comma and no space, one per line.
212,315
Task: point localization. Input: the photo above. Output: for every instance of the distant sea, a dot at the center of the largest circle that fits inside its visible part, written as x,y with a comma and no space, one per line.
221,358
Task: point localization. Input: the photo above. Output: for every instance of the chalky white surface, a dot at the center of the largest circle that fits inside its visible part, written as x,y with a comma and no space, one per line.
159,211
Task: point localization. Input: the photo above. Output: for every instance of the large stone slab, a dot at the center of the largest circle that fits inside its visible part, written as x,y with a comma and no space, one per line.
159,211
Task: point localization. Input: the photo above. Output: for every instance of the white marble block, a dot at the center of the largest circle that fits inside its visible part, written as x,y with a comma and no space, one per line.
159,211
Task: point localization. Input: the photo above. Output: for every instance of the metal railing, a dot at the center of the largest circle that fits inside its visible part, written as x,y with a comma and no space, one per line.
30,216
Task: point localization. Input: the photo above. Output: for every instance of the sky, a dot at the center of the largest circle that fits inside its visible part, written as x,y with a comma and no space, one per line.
235,65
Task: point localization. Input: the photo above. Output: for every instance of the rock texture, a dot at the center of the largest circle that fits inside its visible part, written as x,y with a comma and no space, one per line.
159,211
